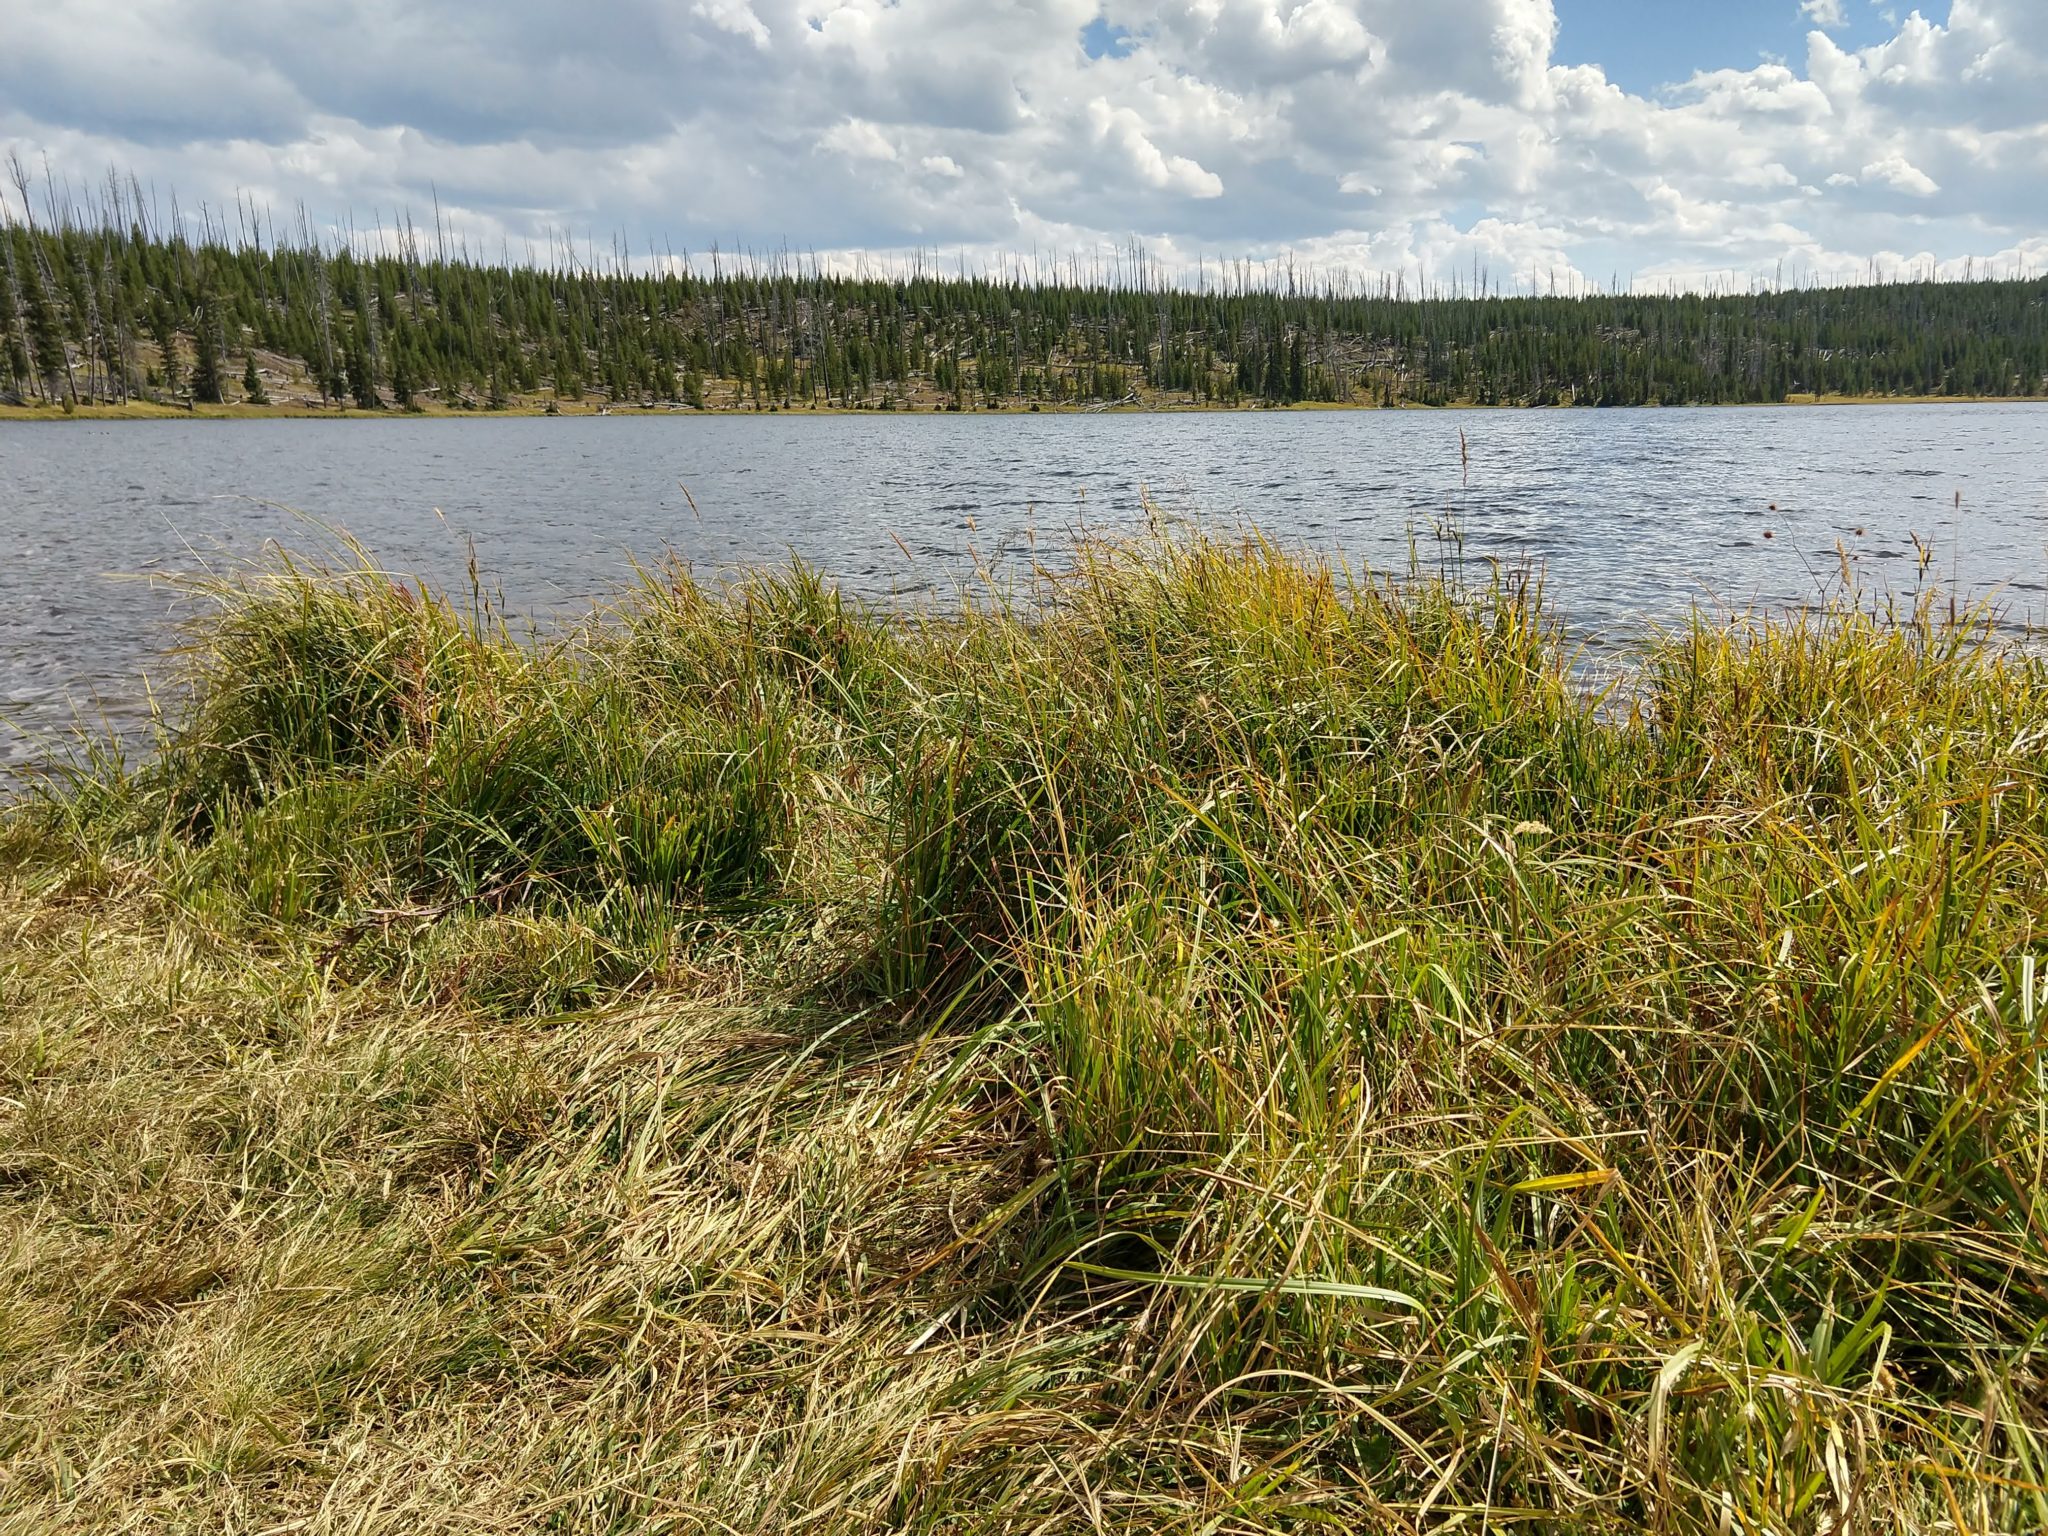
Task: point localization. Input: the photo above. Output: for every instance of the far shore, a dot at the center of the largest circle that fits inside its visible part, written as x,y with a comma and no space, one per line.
150,410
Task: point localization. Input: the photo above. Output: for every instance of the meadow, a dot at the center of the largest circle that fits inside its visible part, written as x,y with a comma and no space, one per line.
1205,1041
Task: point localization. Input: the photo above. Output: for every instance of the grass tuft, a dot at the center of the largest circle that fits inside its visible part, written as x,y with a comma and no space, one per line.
1206,1042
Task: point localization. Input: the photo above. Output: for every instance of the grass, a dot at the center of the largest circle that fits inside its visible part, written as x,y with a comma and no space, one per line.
1205,1043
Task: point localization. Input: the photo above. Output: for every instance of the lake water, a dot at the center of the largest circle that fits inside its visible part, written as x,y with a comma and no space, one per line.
1634,515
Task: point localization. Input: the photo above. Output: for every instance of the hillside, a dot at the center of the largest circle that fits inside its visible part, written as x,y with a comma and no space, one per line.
111,312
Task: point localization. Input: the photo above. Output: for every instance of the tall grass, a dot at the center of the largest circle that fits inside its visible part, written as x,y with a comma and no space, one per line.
1212,1043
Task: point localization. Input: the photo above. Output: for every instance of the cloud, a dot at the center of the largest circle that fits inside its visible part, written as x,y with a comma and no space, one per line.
1382,134
1899,172
734,16
861,141
1122,128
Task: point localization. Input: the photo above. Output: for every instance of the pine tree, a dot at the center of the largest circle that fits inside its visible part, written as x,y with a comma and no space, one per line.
45,332
356,361
206,380
15,319
17,363
166,337
13,354
401,374
252,382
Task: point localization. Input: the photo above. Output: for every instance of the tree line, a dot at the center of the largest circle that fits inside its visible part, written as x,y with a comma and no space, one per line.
123,306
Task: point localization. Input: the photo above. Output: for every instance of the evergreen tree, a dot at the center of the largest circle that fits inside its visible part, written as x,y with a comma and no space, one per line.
45,333
14,319
206,380
252,382
13,353
401,374
361,387
165,334
16,356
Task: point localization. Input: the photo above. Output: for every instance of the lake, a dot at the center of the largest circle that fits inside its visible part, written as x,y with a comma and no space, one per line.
1635,516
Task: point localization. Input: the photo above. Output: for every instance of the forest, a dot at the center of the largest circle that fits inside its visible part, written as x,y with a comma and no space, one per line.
118,304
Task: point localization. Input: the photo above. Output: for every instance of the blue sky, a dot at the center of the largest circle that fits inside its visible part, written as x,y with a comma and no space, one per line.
1645,44
1654,142
1100,40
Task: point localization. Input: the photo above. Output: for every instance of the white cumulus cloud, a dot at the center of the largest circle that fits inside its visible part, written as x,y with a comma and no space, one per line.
1380,134
1123,129
1897,171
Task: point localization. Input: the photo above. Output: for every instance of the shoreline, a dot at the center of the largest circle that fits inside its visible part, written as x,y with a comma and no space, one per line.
155,411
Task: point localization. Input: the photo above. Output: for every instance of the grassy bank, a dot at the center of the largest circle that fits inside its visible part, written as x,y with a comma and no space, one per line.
1202,1045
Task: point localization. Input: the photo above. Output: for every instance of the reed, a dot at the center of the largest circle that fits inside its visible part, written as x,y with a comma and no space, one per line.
1208,1042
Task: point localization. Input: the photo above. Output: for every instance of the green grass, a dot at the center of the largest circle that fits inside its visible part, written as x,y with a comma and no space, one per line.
1205,1043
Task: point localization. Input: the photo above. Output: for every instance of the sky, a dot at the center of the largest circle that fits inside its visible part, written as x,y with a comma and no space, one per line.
1536,143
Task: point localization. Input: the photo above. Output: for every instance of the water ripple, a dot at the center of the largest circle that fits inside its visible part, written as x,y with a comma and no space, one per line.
1633,515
